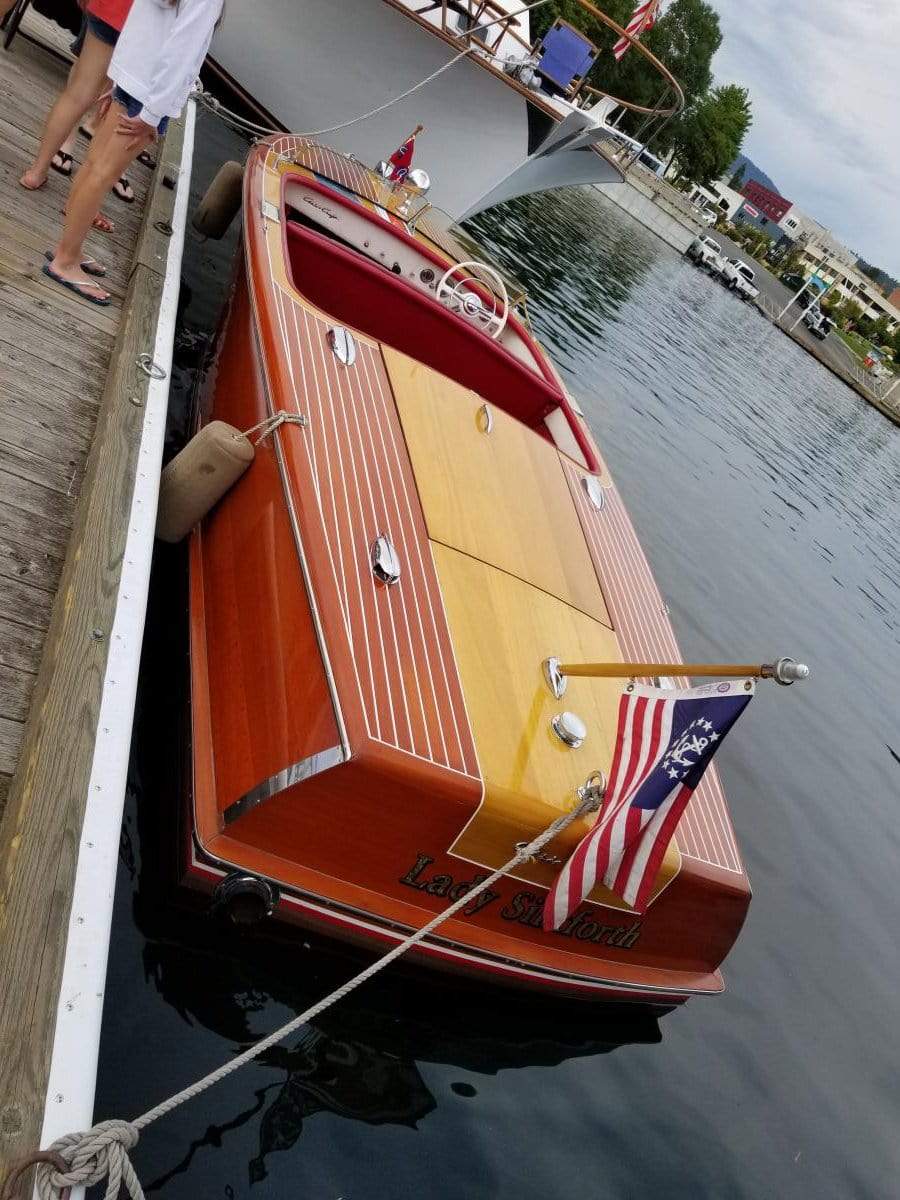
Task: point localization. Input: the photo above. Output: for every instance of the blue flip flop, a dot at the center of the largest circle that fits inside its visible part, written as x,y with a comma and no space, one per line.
77,288
90,266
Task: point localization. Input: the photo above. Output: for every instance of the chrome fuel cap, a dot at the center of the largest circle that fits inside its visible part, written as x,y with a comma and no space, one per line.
569,728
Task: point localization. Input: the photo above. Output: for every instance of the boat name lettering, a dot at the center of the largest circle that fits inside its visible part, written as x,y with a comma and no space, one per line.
329,212
525,907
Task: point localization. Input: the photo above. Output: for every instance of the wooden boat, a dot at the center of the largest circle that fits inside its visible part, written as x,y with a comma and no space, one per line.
371,606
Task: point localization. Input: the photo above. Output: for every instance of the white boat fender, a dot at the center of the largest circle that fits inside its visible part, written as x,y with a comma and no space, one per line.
199,476
221,201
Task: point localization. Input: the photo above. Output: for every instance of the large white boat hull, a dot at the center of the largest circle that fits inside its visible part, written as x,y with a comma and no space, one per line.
316,64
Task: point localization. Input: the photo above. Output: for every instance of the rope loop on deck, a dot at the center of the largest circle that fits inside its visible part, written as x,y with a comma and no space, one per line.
89,1158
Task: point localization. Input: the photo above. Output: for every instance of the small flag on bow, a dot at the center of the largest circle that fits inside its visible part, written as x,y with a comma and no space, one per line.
666,739
642,19
401,159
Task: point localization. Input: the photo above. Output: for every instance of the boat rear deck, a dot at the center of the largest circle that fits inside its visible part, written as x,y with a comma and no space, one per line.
55,353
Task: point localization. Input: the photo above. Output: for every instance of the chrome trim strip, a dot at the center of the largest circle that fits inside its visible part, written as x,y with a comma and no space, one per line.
270,211
279,782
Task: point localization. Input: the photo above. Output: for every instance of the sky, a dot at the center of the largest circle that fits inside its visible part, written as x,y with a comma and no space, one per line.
824,80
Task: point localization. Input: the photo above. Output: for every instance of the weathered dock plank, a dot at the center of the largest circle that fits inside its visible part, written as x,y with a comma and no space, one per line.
71,419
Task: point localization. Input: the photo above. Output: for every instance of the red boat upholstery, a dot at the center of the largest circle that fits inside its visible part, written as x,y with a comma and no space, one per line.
364,296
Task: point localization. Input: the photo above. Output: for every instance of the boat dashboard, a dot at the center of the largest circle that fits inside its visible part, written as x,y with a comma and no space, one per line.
361,265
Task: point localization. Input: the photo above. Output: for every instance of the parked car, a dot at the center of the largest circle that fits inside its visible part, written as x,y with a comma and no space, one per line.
708,216
793,281
817,323
740,278
707,253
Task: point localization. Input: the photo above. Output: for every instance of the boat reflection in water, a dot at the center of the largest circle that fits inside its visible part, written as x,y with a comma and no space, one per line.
361,1060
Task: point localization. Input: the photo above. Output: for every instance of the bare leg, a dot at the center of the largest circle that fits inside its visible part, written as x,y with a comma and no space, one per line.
110,154
85,82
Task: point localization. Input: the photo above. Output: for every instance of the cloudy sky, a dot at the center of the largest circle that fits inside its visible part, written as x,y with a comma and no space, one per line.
824,77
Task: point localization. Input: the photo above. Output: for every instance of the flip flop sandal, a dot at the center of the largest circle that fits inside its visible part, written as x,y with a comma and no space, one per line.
147,159
123,189
85,132
90,266
64,166
77,288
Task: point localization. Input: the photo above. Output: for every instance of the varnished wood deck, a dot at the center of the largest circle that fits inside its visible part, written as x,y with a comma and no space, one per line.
54,355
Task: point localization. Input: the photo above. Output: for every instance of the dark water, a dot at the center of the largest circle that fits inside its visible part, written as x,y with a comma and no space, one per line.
766,495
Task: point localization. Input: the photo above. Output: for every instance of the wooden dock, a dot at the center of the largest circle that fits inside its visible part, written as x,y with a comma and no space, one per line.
74,414
55,352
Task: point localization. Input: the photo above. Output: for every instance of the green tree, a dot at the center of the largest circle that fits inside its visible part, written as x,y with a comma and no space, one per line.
685,38
708,134
881,331
737,179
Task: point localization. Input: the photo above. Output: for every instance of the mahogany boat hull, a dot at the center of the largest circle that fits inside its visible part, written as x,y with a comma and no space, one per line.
374,750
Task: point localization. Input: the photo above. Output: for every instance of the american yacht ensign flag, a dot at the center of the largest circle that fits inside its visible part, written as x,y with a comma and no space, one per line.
665,740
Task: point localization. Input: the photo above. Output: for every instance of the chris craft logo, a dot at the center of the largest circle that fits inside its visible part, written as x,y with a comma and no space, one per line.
524,908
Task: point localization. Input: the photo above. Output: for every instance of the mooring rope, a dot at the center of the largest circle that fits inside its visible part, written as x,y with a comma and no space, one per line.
102,1152
242,125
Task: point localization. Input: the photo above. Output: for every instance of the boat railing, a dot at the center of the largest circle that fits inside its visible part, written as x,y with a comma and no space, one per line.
481,16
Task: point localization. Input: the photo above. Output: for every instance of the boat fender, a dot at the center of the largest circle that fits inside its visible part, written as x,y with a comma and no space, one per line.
199,476
220,202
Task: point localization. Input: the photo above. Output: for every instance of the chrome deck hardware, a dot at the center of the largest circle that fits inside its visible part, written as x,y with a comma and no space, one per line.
594,491
569,728
385,561
343,345
485,419
556,681
593,789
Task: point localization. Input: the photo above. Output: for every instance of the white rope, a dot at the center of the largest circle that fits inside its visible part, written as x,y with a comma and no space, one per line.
269,424
236,121
102,1152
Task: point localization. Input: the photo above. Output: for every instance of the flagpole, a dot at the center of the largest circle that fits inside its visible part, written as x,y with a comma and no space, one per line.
784,671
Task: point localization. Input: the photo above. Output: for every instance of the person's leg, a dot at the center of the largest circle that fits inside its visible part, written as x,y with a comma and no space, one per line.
86,78
110,154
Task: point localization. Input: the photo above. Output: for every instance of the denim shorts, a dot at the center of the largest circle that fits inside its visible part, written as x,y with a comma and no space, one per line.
133,107
102,31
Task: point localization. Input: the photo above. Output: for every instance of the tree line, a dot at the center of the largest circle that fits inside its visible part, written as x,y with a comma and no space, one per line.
707,136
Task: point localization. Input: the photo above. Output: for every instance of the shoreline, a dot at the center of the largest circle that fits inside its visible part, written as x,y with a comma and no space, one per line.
660,208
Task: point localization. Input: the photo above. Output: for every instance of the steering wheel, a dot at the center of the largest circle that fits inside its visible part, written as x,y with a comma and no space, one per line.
459,297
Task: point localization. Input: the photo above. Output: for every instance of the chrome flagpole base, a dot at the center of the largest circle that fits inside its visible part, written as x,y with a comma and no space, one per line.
556,681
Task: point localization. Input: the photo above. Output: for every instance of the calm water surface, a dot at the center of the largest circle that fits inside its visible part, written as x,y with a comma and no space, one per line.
766,495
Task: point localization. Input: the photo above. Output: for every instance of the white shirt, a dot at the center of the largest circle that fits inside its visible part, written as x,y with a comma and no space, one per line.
160,51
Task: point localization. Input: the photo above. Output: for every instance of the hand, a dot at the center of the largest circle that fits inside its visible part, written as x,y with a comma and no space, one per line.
137,131
103,103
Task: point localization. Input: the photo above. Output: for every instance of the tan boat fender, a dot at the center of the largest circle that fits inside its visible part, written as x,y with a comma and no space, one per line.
221,201
199,476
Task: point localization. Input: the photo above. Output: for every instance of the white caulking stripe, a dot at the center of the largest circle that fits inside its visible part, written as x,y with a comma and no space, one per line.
406,675
636,606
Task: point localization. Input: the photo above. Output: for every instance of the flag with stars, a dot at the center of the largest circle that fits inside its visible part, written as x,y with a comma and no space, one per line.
666,739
